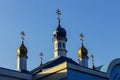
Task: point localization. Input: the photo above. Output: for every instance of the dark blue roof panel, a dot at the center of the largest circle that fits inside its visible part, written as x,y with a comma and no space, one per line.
52,63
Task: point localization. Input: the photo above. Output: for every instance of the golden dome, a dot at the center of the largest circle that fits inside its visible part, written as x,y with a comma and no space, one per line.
22,50
82,52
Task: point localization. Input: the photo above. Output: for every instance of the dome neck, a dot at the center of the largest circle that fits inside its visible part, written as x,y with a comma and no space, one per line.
22,42
59,26
58,20
82,44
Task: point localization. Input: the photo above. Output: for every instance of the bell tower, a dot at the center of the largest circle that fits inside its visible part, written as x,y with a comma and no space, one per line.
82,54
59,39
22,56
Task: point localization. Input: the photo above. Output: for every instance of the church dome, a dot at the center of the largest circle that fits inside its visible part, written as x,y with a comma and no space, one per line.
82,51
22,50
59,32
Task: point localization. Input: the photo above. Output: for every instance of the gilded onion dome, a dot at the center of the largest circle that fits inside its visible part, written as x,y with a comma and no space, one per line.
82,52
22,50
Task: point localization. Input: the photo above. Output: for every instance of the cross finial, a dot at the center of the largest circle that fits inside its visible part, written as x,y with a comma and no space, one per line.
22,35
92,56
93,66
81,37
58,13
41,57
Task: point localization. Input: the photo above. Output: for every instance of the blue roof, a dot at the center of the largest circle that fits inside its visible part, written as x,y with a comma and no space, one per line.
52,63
58,61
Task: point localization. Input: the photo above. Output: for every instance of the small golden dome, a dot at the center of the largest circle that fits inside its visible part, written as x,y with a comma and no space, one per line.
22,50
82,52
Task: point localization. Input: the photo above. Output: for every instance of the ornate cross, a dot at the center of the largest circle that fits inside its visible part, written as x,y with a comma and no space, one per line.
81,37
92,56
41,57
58,13
23,35
93,66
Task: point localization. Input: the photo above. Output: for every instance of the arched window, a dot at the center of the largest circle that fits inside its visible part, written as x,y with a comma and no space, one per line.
64,45
59,45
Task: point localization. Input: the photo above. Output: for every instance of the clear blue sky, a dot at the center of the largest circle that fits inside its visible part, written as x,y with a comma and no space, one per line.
98,20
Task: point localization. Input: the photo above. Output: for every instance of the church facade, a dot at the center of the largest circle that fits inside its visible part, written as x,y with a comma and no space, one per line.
61,67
